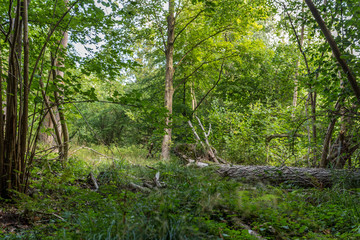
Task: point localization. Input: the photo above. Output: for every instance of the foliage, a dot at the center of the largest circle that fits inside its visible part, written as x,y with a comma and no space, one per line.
195,204
238,64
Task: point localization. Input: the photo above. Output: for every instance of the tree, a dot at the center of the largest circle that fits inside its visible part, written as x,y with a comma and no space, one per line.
18,136
169,79
55,118
344,150
183,28
350,76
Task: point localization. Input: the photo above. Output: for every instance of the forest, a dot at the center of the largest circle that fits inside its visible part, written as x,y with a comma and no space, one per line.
179,119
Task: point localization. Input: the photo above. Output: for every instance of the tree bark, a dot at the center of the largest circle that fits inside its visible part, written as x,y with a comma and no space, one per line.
44,137
308,130
303,177
11,163
313,96
14,142
193,97
169,77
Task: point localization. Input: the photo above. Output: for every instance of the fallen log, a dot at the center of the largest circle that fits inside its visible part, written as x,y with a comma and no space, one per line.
302,177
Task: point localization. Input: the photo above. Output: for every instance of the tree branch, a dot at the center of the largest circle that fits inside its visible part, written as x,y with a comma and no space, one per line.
351,78
217,82
200,42
298,40
196,69
48,39
193,19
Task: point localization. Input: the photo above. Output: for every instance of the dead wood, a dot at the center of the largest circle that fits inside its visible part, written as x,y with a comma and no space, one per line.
237,222
179,152
92,181
139,188
206,146
154,183
253,233
303,177
189,161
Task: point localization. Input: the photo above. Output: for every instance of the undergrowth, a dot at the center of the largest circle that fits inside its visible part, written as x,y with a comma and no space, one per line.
194,204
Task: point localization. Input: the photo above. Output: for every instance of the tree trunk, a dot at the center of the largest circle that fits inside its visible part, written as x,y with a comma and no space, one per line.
308,130
14,142
303,177
296,80
1,127
326,146
169,88
59,95
55,118
45,137
52,118
11,163
193,97
324,156
23,125
313,96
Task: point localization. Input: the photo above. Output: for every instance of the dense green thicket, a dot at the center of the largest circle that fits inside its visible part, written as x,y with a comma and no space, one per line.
259,76
195,204
242,108
252,99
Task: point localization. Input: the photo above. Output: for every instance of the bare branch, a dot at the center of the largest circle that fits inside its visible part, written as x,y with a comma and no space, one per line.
208,134
197,138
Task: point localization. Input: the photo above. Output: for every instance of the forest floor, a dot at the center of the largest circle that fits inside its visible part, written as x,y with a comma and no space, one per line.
138,198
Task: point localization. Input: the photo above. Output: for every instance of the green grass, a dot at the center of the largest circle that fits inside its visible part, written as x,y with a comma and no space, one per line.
195,204
133,155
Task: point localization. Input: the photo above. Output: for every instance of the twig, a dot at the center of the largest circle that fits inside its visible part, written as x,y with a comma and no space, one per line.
59,217
53,214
